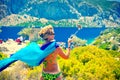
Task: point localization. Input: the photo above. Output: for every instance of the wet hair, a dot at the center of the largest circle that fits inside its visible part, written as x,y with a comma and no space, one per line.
45,31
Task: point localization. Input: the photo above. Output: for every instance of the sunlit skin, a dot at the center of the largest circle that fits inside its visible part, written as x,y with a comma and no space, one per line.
51,65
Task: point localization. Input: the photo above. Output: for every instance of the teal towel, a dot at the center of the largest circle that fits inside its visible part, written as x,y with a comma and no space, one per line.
32,54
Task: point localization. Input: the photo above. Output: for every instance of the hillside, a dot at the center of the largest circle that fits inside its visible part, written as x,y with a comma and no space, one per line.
85,63
88,13
15,19
28,21
109,39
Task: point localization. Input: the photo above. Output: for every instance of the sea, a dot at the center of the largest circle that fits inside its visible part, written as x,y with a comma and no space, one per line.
61,33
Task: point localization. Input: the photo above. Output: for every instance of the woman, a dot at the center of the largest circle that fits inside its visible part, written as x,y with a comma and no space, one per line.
51,69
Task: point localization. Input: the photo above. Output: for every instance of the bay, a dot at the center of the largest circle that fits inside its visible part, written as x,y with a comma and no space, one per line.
61,33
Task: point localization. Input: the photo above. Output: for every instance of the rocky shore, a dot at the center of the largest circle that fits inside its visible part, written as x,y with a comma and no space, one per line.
11,46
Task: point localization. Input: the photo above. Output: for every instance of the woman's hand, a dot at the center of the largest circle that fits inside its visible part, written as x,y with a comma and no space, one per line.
69,42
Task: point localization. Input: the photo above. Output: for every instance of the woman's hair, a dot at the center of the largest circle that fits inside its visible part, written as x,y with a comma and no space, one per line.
45,31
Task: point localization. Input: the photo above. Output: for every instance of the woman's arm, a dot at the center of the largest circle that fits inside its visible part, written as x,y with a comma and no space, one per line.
62,54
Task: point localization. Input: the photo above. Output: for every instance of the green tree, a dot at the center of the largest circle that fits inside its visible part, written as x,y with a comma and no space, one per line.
115,47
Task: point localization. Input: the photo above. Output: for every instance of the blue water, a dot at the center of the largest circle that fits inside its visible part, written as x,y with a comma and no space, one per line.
61,33
88,34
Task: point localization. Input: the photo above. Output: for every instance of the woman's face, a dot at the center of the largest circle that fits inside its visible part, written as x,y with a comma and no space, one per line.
51,37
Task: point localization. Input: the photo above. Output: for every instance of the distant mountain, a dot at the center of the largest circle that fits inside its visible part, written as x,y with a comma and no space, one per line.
15,19
99,10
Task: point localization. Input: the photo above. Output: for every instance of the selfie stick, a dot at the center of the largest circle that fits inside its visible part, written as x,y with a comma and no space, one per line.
79,27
